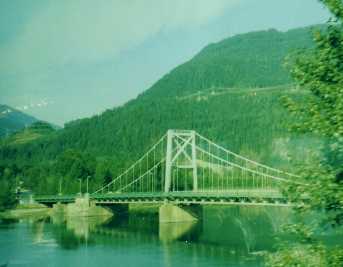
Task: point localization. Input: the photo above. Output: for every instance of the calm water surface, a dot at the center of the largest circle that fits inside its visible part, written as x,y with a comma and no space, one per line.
227,236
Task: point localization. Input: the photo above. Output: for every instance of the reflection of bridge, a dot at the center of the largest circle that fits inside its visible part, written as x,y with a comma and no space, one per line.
184,167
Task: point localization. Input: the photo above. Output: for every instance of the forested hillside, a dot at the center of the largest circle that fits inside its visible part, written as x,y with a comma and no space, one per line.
35,131
247,60
229,92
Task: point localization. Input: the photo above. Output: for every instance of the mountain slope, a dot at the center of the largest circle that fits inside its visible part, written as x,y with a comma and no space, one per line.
35,131
247,60
12,120
236,64
229,92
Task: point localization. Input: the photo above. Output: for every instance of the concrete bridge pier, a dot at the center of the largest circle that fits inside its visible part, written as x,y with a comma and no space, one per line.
171,213
82,207
59,208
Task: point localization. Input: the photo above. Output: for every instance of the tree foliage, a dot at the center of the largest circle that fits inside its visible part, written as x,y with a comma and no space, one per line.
7,186
320,71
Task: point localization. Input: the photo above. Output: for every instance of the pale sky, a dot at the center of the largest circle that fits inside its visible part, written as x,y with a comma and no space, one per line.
68,59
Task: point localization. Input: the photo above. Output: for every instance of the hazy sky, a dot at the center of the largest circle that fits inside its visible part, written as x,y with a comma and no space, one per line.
66,59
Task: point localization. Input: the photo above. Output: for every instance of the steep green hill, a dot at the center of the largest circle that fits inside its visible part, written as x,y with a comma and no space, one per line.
30,133
247,60
229,92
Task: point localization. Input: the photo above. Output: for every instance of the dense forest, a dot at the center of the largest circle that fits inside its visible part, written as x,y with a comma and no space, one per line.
255,59
229,92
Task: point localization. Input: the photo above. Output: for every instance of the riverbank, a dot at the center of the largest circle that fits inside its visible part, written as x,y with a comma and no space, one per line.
25,210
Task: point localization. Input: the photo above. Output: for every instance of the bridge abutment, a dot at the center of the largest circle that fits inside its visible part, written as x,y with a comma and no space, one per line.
171,213
59,208
82,207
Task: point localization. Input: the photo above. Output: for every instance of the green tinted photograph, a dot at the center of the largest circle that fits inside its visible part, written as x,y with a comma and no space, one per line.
171,133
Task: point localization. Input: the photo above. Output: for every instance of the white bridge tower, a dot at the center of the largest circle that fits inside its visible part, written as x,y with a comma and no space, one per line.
181,145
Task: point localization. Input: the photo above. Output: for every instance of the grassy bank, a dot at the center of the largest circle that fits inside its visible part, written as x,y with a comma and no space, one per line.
24,210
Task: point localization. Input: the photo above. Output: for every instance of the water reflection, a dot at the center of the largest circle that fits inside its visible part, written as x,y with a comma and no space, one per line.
72,232
8,221
169,232
240,230
244,229
227,236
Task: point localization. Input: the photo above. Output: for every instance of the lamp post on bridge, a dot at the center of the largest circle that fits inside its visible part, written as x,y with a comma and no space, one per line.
80,187
87,194
60,187
87,182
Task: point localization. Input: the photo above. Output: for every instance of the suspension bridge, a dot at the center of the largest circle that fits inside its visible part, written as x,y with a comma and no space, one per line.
184,167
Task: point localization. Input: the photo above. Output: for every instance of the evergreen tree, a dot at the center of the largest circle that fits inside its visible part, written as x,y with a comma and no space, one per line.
7,187
320,71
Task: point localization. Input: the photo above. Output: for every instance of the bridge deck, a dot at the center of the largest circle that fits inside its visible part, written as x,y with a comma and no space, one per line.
263,197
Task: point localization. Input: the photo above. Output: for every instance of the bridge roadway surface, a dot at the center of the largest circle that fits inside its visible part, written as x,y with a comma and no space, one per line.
241,197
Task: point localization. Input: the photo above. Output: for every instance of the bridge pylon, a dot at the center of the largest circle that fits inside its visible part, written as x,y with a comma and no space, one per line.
181,154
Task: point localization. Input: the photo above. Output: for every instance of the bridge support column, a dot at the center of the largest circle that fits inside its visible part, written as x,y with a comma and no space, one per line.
169,213
180,145
59,208
84,207
167,182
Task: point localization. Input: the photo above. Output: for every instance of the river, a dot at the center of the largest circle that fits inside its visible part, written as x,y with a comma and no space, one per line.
226,236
